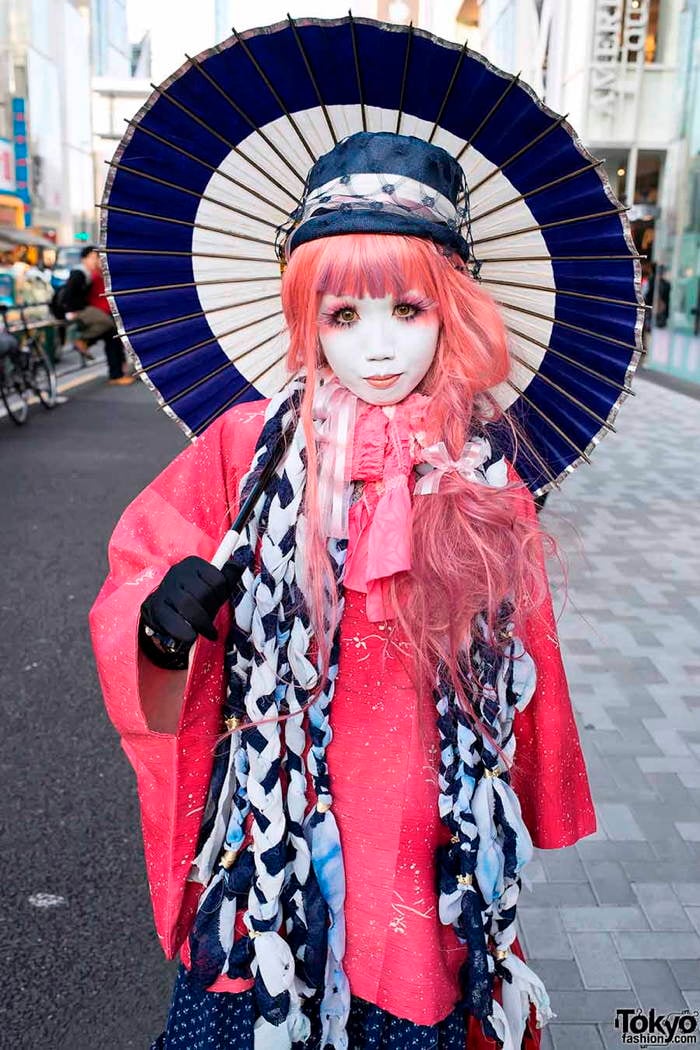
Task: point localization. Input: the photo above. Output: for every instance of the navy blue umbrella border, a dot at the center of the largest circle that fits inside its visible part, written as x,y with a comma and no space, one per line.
155,184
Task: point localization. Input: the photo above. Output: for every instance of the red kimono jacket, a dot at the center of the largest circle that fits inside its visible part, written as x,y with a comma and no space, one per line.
383,758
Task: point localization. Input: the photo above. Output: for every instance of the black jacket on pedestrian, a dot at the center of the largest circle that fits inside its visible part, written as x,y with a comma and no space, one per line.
74,295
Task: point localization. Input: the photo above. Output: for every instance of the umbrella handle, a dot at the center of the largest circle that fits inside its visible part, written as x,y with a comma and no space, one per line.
226,548
230,542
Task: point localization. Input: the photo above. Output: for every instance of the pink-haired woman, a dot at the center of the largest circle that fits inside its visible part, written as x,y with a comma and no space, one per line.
334,813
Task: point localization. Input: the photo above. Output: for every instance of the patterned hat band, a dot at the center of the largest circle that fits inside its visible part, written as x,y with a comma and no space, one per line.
378,182
374,191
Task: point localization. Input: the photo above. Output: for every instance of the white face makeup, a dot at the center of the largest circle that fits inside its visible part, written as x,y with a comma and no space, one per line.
380,349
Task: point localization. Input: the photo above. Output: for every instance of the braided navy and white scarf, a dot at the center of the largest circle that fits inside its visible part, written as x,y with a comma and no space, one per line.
289,879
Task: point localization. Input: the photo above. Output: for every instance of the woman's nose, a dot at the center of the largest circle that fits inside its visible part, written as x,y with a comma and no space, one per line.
381,349
381,352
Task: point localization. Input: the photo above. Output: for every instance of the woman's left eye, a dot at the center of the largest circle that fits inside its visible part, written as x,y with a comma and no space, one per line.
406,311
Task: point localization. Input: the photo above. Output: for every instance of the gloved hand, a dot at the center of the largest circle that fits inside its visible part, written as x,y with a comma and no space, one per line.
184,605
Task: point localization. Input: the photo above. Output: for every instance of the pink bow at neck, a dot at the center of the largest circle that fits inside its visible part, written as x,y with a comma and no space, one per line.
473,456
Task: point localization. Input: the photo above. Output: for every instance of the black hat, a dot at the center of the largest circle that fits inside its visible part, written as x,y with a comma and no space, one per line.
379,182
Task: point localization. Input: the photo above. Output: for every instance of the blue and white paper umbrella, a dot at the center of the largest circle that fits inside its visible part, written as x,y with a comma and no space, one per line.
216,161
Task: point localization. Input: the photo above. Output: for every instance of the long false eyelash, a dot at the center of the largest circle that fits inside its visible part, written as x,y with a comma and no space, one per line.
419,304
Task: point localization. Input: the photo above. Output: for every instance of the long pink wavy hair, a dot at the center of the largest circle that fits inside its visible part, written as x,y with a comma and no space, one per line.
472,546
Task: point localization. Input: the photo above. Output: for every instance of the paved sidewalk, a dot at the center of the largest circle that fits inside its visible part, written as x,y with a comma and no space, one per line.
614,922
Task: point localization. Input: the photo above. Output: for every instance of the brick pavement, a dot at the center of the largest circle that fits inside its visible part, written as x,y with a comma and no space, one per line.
615,921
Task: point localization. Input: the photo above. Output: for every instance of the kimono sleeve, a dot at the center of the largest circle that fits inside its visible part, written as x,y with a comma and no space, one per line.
550,773
169,721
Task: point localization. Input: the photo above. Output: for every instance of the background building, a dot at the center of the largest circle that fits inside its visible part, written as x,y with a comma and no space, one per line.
45,112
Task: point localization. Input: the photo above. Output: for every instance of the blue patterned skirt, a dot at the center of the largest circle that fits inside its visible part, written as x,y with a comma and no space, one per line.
200,1020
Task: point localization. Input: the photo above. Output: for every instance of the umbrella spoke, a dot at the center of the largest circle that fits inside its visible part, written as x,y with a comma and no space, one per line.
212,131
107,249
217,371
571,361
511,84
453,78
210,167
184,222
522,438
539,189
236,397
550,225
568,324
564,291
404,76
312,78
560,258
501,167
189,284
358,73
147,369
275,94
197,313
242,113
563,392
192,193
550,422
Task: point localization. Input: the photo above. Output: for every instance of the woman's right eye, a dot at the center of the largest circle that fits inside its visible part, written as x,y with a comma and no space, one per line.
346,315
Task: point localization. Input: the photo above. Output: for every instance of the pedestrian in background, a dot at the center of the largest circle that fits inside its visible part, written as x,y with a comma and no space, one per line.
116,358
83,300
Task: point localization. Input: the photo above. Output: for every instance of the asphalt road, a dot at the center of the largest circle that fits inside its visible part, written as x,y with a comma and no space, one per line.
81,967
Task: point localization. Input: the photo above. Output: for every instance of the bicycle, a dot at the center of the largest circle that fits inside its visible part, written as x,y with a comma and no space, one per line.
25,370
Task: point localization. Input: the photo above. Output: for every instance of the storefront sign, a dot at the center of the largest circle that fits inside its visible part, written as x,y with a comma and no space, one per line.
605,59
619,34
7,166
19,134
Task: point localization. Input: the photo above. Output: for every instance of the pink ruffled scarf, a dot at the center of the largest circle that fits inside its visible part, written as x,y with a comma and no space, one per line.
380,446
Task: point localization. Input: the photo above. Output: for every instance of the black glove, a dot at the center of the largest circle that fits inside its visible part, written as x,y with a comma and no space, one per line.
183,606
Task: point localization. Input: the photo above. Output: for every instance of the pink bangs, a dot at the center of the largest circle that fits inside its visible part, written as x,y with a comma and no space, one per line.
370,265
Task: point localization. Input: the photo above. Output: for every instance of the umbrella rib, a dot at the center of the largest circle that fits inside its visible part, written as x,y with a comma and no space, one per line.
357,69
453,79
192,193
560,432
197,346
217,371
198,120
571,361
107,249
539,189
551,225
242,113
404,76
198,313
565,291
188,284
198,383
236,397
541,461
514,80
567,324
205,164
565,393
538,138
312,78
275,94
184,222
560,258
